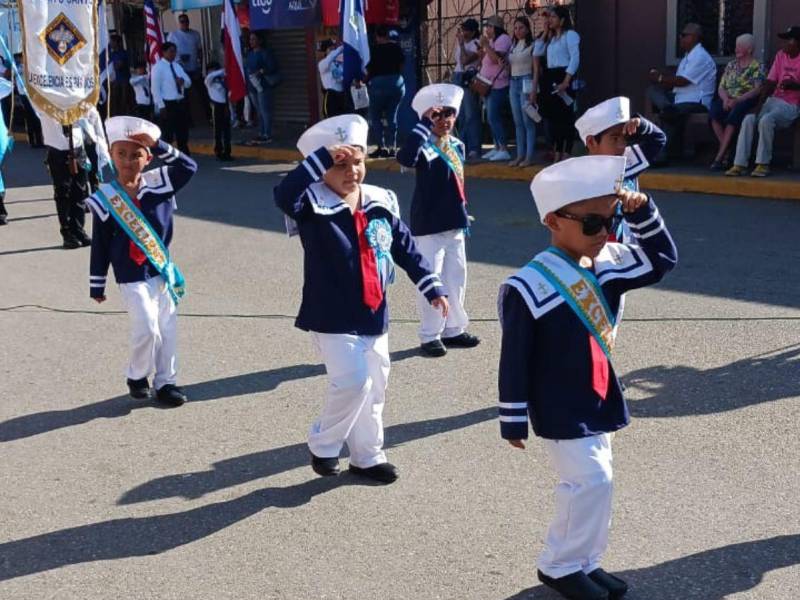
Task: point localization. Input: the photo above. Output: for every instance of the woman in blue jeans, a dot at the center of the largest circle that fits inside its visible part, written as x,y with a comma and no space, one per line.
495,45
262,72
386,91
521,60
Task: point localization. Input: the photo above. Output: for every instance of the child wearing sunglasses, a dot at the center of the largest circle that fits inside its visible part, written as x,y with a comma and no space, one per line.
439,212
558,328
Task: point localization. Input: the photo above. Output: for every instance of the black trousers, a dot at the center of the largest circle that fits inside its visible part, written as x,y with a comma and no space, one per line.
222,129
69,191
33,126
560,117
673,117
334,103
175,124
143,111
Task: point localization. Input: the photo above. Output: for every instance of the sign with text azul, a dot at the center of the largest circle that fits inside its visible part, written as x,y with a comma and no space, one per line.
192,4
284,14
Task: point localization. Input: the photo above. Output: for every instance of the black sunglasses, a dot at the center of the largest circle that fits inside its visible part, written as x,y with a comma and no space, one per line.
443,114
592,223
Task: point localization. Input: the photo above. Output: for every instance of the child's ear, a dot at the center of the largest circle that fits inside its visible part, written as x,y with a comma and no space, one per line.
551,222
591,144
149,158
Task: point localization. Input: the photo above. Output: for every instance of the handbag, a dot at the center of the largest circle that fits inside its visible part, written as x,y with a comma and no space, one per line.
467,77
483,86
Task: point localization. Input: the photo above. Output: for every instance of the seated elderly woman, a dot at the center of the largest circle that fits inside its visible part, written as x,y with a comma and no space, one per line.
738,95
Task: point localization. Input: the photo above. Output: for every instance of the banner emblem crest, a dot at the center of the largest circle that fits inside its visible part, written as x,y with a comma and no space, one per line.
62,39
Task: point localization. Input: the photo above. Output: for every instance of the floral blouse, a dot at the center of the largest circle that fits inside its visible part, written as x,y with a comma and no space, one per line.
738,80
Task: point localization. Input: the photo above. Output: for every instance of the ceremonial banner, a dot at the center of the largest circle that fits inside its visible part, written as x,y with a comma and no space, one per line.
60,49
284,14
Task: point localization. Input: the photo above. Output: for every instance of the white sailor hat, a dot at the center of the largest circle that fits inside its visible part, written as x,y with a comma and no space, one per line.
349,130
576,179
603,116
437,94
120,129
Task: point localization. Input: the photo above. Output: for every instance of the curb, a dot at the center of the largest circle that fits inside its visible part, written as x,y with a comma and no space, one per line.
720,185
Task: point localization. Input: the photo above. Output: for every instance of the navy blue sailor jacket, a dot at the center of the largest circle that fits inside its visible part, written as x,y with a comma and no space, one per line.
111,245
332,284
545,373
648,142
436,205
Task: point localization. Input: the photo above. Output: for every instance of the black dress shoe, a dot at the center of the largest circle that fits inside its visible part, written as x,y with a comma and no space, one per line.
615,586
3,219
575,586
378,153
71,242
171,395
435,348
327,467
463,340
385,472
83,238
139,388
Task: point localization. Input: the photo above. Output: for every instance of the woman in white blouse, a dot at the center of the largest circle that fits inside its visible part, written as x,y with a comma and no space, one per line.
522,65
556,96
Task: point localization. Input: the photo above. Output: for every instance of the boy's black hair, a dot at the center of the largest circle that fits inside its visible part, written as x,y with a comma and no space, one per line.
167,46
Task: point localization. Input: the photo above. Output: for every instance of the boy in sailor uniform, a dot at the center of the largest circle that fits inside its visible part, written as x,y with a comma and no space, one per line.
558,327
439,218
352,237
146,294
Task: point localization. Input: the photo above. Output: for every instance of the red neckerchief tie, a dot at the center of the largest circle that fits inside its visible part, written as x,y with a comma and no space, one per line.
373,293
135,254
599,368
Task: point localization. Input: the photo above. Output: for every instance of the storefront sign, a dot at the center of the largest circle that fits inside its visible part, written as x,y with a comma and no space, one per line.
284,14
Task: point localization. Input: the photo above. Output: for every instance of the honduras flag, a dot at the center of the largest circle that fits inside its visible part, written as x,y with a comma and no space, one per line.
354,38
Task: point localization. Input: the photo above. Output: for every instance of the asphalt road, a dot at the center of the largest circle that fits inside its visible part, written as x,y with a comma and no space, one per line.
104,497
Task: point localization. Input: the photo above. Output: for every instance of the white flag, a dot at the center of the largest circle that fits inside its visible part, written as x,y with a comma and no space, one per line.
60,49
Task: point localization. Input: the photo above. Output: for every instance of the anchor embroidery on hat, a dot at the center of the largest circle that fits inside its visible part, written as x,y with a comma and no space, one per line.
341,134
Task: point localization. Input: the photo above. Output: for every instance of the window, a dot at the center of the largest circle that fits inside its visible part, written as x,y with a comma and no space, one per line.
722,22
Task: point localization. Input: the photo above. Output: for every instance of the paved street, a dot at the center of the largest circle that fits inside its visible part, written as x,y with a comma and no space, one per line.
102,496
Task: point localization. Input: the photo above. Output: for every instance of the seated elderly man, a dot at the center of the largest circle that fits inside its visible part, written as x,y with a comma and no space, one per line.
690,90
779,107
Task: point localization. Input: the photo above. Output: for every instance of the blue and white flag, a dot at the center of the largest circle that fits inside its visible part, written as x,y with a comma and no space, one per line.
102,42
354,38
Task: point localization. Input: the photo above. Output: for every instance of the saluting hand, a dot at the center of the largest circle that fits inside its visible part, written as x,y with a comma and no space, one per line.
441,304
143,139
343,152
632,126
631,201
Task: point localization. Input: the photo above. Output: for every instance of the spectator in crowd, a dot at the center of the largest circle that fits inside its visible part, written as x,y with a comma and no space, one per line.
33,126
495,45
218,93
521,60
540,64
140,82
692,88
169,82
120,83
331,73
190,56
738,94
386,90
556,93
262,78
468,63
778,107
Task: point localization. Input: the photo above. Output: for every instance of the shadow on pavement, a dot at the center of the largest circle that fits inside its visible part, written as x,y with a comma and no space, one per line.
29,250
682,391
713,574
249,467
120,406
142,536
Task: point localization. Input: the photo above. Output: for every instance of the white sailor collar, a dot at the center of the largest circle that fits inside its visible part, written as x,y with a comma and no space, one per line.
325,201
428,149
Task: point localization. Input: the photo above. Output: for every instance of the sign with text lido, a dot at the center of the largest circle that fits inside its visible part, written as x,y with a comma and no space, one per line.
284,14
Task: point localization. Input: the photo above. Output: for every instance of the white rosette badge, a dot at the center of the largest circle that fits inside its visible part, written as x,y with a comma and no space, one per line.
379,237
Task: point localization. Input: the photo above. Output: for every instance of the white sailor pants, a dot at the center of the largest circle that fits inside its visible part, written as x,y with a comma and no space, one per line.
578,534
358,371
153,317
775,114
446,253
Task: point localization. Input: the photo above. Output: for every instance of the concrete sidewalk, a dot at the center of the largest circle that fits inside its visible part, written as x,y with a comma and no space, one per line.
783,184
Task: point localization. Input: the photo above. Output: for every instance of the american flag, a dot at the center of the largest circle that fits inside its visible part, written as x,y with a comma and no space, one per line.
153,37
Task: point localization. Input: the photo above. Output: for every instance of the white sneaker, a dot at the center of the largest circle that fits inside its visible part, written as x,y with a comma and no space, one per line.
489,155
500,155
